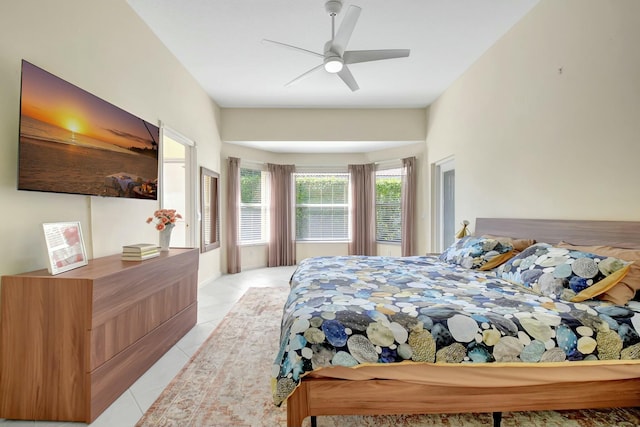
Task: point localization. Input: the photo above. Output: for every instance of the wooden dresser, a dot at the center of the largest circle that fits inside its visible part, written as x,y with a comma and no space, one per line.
71,344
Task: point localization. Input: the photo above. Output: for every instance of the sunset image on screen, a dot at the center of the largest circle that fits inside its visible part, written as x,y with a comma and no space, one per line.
72,141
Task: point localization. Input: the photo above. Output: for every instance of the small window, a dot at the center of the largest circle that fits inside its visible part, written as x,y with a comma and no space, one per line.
388,205
254,206
322,206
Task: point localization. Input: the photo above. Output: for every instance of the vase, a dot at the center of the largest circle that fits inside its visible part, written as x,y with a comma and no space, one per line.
165,237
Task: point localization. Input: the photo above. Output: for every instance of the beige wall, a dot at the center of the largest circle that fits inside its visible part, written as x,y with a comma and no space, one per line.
104,48
546,124
304,124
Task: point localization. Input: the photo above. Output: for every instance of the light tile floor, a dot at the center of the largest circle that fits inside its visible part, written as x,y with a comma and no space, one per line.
214,301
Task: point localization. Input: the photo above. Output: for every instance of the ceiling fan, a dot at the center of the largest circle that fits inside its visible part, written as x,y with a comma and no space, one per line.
335,57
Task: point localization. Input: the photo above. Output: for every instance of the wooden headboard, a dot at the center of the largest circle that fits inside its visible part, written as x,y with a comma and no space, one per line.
622,234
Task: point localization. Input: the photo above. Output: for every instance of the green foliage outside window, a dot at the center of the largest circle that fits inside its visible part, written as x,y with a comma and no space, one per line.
253,211
250,183
388,216
322,206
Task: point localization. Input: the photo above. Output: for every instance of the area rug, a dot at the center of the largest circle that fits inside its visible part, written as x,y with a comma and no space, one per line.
227,384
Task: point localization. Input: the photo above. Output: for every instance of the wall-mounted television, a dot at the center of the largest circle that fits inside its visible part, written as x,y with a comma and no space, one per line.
74,142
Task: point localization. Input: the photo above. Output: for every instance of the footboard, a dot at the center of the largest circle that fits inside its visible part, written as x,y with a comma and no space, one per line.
319,396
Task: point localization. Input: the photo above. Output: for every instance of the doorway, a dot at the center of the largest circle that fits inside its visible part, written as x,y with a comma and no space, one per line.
178,185
445,203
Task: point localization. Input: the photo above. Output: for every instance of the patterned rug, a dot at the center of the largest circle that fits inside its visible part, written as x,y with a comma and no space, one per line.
215,390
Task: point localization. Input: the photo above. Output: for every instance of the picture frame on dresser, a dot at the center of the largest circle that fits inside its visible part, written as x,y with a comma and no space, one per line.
65,246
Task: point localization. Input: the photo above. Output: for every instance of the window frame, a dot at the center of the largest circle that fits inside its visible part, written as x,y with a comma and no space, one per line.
263,206
385,172
346,206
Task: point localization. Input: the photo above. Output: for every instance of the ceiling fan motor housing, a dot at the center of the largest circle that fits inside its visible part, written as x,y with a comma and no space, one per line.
333,7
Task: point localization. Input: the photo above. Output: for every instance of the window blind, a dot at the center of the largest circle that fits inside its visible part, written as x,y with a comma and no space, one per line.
253,206
388,205
322,206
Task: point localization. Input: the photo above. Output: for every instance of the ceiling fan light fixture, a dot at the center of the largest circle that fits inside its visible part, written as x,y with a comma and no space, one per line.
335,57
333,64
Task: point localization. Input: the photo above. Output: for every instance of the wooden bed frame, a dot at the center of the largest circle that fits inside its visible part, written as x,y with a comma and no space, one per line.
322,396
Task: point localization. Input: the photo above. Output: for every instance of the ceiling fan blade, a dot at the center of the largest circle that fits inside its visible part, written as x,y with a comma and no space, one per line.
299,49
347,25
347,77
305,74
355,56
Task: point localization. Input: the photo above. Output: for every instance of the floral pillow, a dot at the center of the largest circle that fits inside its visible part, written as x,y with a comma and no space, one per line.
478,253
629,286
563,273
519,245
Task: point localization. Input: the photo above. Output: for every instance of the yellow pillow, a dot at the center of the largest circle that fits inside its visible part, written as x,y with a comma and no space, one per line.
497,260
564,273
623,291
602,286
478,253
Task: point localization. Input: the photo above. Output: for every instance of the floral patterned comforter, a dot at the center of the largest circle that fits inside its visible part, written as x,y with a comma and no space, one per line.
353,310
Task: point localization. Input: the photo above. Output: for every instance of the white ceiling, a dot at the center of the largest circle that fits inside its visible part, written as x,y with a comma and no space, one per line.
220,43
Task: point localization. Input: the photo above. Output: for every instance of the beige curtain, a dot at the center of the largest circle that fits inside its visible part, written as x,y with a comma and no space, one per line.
363,210
408,205
282,240
233,215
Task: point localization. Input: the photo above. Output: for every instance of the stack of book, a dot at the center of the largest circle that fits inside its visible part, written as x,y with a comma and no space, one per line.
139,251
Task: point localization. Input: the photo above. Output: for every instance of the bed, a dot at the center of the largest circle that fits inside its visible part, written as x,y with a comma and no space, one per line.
553,352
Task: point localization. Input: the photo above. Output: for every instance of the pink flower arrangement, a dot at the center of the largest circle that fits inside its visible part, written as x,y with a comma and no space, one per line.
162,218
